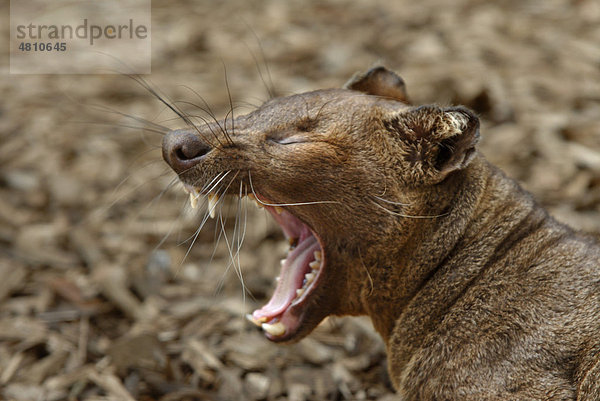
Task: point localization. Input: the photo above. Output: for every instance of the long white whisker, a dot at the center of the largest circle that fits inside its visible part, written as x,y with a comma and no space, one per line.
194,236
213,180
218,182
235,247
390,202
217,239
284,204
409,216
243,236
236,268
229,244
213,208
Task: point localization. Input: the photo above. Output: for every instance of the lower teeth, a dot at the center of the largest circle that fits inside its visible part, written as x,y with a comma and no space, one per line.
276,329
308,278
256,321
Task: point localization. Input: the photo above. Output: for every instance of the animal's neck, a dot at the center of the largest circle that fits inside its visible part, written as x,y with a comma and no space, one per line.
454,247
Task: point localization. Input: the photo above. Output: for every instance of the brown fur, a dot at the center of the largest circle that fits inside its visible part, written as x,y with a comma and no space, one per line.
477,292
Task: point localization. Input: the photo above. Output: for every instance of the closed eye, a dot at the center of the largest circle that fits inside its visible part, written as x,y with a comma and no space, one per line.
291,140
288,140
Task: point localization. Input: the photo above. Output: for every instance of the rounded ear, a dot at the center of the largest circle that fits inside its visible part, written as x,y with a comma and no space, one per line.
379,81
456,146
435,141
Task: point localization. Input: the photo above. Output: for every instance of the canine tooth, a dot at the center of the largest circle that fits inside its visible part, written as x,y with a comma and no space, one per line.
315,265
258,205
278,209
251,197
299,292
309,277
276,329
193,201
317,255
212,204
277,279
255,321
282,261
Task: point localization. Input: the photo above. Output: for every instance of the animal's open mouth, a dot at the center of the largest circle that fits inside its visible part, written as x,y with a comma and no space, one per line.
282,316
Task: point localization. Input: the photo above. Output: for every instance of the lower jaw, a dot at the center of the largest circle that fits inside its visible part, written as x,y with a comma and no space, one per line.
294,320
289,323
297,319
297,327
292,329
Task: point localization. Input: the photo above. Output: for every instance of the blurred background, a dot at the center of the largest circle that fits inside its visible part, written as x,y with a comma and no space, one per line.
97,298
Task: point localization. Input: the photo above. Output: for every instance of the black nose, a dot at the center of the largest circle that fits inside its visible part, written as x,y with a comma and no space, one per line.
183,149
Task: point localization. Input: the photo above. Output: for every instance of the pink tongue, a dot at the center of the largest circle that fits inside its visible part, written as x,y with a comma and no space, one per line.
291,278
